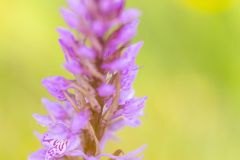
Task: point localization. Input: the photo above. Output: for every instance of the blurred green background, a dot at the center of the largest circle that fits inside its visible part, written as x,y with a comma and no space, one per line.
191,75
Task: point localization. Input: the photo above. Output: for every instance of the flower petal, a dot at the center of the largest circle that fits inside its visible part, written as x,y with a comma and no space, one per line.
56,132
57,150
70,18
54,109
74,67
129,15
38,155
84,51
73,143
66,36
80,121
106,90
123,35
56,86
44,121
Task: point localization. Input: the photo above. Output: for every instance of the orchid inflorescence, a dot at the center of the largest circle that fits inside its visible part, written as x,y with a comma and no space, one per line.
100,99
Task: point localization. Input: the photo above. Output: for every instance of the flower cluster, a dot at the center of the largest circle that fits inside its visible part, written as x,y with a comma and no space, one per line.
100,99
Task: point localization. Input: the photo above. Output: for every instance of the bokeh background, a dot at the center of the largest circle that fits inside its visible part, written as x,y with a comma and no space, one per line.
191,75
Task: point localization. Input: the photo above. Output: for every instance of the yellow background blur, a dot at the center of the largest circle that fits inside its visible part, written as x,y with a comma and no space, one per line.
191,75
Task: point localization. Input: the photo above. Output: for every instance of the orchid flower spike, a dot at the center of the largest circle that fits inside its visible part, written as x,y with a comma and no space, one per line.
99,100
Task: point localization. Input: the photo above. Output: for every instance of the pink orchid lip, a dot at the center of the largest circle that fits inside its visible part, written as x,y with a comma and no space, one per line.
99,99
